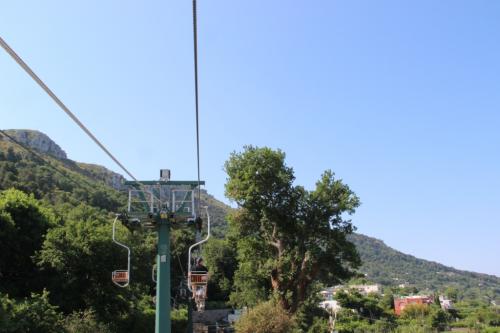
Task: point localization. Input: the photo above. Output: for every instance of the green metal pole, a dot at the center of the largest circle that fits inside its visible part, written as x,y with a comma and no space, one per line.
163,279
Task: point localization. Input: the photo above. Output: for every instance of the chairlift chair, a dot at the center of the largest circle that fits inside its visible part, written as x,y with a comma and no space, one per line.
197,281
121,277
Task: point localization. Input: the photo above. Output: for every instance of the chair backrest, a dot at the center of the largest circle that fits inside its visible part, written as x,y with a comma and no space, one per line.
198,278
120,276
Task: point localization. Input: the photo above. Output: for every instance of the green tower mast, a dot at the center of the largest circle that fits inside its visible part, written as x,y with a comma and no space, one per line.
161,205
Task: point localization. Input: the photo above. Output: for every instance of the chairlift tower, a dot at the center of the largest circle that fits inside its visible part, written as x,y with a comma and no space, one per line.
159,205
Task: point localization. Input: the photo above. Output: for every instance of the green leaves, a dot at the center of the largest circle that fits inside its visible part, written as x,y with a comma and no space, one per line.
285,234
33,314
23,225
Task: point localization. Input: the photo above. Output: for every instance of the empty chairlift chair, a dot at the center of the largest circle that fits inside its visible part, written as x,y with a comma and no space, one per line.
121,277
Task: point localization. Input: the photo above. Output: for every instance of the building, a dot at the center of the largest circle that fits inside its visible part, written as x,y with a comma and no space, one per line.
402,302
446,304
365,289
331,306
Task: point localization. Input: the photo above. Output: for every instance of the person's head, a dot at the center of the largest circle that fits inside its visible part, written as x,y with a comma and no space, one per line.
199,261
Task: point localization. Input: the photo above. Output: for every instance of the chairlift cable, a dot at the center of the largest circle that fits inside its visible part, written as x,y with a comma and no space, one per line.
30,72
195,42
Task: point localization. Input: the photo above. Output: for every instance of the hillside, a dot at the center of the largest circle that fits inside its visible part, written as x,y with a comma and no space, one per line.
387,266
97,186
57,178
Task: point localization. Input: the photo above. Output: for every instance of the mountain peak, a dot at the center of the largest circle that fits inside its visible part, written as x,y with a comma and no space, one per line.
38,141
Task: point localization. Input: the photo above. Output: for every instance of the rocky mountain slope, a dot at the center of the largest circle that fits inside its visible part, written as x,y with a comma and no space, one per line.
38,141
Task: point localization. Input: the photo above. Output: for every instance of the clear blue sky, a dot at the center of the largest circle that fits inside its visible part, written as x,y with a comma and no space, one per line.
400,98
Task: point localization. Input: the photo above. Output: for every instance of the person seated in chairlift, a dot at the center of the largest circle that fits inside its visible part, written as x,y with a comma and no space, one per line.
199,292
199,267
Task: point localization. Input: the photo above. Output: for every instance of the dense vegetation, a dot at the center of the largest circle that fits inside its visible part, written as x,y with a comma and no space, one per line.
389,267
56,255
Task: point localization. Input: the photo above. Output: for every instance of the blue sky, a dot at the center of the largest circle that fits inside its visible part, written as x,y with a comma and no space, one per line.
400,98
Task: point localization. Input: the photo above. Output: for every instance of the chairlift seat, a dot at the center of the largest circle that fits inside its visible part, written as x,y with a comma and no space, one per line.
198,277
120,276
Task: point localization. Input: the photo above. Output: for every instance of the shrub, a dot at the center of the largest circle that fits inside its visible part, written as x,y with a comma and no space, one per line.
84,322
34,314
415,311
267,317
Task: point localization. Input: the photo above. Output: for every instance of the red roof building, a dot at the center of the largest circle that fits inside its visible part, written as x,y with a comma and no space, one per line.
401,303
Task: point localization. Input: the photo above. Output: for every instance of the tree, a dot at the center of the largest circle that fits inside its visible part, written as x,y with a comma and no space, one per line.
266,317
84,322
439,319
452,293
285,233
82,255
23,225
416,311
220,258
370,307
33,314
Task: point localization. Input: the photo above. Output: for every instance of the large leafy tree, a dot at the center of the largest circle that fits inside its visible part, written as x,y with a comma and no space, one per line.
82,256
23,225
287,237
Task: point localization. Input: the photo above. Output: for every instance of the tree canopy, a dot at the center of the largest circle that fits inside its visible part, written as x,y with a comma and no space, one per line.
285,233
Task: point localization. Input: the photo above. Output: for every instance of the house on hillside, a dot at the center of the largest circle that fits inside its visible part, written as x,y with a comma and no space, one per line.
328,294
330,306
402,302
446,304
365,289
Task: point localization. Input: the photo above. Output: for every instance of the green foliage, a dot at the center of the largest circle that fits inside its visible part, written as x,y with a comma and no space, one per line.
350,321
222,262
371,307
179,319
319,325
389,267
267,317
23,225
415,311
284,233
452,293
33,314
69,184
84,322
55,233
310,315
440,319
82,255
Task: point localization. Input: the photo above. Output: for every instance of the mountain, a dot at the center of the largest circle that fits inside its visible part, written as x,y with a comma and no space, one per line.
38,141
387,266
58,178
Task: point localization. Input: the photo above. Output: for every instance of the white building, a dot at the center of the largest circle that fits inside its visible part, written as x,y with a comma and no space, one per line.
446,304
330,306
366,289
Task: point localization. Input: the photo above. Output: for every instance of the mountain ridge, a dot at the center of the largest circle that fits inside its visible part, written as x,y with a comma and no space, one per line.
381,263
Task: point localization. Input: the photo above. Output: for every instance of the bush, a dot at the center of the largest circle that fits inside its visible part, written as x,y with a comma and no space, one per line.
415,311
34,314
267,317
179,319
84,322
